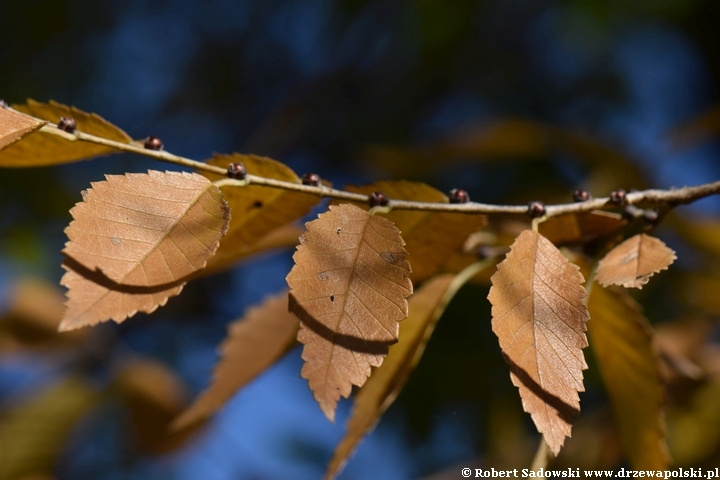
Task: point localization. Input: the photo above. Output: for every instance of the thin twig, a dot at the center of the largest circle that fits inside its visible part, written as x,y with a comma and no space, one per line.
673,196
543,455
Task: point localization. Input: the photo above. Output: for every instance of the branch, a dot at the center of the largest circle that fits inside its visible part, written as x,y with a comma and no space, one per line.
672,197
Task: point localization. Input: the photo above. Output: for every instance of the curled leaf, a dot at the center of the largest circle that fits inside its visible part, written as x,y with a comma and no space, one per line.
14,126
48,149
256,210
387,380
253,344
539,317
135,241
633,262
349,287
622,341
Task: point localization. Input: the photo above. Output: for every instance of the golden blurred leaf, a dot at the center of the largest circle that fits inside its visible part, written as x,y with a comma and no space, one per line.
254,343
431,237
539,317
135,240
622,341
694,436
349,287
703,233
633,262
256,210
697,130
32,434
581,227
48,149
15,126
383,387
155,395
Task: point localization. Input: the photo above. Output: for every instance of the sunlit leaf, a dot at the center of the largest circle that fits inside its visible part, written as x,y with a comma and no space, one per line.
254,343
622,341
135,241
47,149
539,317
15,126
348,287
256,210
633,262
431,237
33,433
387,380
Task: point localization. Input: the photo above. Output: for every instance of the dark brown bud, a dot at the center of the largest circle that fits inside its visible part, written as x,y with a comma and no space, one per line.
651,217
378,199
312,179
581,196
618,197
536,209
458,195
67,124
153,143
236,170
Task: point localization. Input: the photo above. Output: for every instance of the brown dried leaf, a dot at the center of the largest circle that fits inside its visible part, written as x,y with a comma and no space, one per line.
431,237
348,287
254,343
32,434
48,149
155,394
622,341
14,126
256,210
633,262
539,317
581,227
383,387
135,241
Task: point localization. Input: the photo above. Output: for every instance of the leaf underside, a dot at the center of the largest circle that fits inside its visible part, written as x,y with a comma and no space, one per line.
135,240
539,317
622,341
425,233
633,262
257,210
349,287
253,344
47,149
383,387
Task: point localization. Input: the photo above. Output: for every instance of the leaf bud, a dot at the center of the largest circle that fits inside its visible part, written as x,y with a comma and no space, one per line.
236,170
458,195
618,197
581,196
651,216
378,199
67,124
536,209
630,213
3,104
153,143
312,179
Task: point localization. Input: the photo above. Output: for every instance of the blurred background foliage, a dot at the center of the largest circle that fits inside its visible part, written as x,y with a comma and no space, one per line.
512,100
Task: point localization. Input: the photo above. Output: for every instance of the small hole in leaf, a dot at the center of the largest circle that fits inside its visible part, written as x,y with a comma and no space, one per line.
257,204
338,230
332,298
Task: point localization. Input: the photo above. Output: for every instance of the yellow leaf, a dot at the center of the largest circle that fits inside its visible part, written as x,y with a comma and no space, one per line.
633,262
622,341
135,240
539,317
349,287
15,126
581,227
33,433
256,210
431,237
48,149
387,380
253,344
